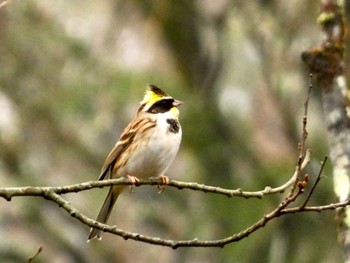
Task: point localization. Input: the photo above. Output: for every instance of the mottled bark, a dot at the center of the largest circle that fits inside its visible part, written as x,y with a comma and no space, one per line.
327,63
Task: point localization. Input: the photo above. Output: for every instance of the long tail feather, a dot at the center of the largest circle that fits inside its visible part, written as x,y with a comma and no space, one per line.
106,210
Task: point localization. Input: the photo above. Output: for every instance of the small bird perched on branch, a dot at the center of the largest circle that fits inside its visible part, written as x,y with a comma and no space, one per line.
145,149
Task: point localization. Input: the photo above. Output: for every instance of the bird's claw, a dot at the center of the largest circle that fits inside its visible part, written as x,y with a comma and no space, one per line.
134,181
165,180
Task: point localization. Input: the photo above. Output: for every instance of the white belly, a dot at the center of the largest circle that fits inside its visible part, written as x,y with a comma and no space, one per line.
153,157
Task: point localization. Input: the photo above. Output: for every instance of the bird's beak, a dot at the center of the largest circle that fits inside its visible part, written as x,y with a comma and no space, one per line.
177,103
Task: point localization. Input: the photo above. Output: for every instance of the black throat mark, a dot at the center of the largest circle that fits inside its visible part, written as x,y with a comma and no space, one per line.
174,125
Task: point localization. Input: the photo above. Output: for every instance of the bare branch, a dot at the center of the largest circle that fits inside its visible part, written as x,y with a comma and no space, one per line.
321,208
304,154
30,259
9,192
53,194
279,211
50,195
318,179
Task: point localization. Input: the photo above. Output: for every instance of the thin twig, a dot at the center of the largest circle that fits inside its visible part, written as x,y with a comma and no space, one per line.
318,179
305,133
30,259
303,152
320,208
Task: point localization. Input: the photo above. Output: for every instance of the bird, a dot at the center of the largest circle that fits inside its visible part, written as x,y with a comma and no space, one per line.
145,149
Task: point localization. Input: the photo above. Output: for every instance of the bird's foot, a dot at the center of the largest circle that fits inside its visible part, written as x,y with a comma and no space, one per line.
165,180
133,181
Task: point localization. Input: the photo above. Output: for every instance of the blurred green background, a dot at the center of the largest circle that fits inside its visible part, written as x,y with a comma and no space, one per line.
71,76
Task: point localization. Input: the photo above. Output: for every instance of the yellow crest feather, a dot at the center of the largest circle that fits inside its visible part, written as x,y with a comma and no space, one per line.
153,94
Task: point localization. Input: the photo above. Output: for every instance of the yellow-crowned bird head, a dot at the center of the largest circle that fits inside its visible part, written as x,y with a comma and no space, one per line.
157,101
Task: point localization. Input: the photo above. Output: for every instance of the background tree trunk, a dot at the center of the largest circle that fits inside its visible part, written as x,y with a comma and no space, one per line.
328,63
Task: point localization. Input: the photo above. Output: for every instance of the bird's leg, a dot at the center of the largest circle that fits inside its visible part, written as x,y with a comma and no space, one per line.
165,180
134,181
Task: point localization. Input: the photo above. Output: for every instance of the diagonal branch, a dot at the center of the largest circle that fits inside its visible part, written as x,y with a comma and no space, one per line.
50,195
279,211
318,179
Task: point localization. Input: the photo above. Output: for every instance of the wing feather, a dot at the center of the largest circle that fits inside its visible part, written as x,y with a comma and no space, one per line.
138,125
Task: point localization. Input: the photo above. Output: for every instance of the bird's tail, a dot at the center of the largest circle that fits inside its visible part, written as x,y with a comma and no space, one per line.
105,211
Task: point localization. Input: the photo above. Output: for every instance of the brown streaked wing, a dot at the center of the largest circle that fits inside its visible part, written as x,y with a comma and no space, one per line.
125,140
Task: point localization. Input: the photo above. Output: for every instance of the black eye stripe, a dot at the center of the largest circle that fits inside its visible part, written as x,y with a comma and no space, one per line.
161,106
